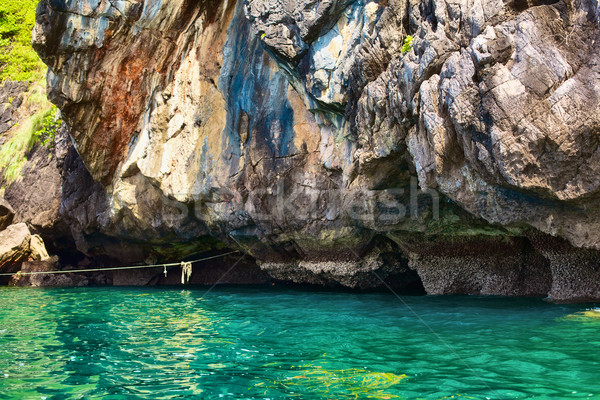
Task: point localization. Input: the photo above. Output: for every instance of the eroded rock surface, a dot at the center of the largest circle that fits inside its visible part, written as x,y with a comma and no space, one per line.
11,99
14,246
7,214
298,131
18,245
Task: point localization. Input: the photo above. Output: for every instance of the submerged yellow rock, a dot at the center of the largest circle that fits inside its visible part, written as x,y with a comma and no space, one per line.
354,382
595,313
588,315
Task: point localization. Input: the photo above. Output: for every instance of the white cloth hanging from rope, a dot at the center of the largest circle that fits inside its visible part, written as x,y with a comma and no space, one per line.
186,272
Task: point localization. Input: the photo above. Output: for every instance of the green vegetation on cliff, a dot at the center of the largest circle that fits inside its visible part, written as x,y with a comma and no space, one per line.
39,129
407,46
18,60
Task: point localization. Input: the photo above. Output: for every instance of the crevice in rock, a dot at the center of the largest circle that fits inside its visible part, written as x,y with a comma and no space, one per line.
406,283
522,5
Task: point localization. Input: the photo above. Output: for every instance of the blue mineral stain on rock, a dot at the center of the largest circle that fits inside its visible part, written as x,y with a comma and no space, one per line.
320,56
103,24
206,165
120,5
252,87
328,53
151,8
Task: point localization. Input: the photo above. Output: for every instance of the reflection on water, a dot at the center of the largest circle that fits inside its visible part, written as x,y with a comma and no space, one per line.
110,343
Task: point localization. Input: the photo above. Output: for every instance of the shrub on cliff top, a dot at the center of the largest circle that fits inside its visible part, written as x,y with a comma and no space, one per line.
18,60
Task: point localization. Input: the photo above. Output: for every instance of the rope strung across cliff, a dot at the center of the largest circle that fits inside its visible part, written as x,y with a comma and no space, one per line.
187,268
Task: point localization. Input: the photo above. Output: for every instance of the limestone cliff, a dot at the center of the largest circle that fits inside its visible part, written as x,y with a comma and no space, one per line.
303,133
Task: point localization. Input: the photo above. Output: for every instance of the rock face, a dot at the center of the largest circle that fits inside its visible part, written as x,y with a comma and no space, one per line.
36,195
7,214
18,245
41,279
11,98
14,246
300,132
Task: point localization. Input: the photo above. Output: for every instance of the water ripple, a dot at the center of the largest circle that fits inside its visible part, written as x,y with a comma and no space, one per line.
111,343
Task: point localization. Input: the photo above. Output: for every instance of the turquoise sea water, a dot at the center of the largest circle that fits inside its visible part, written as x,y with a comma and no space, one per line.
264,343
